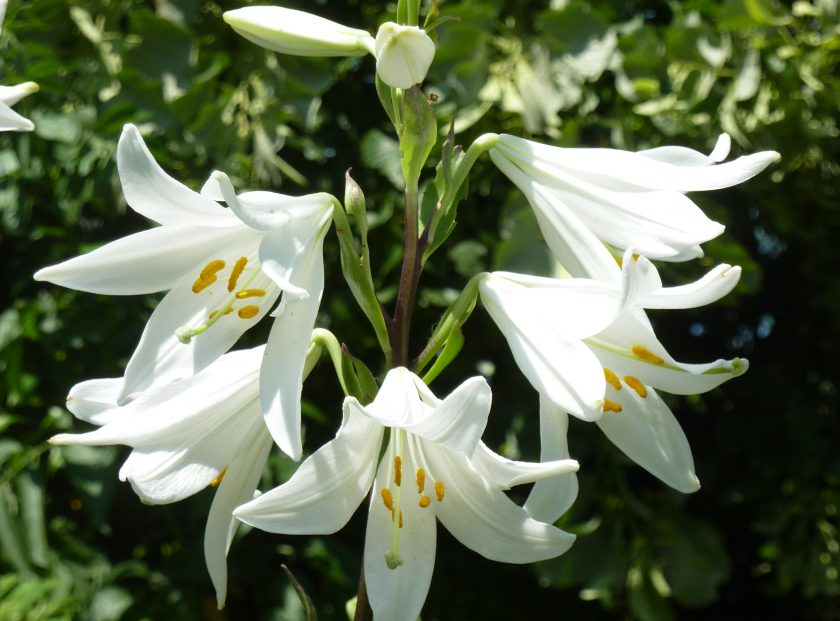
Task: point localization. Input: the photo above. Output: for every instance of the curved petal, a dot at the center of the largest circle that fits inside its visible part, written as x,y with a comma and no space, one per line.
551,498
145,262
166,476
649,434
237,487
630,347
157,196
12,121
484,519
281,380
162,355
10,95
710,288
326,489
95,401
398,594
506,473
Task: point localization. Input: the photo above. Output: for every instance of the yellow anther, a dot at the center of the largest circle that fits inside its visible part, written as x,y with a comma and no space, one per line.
227,311
611,406
208,275
636,385
250,293
440,490
421,480
387,499
424,502
612,379
645,354
246,312
215,482
635,257
397,471
236,272
401,521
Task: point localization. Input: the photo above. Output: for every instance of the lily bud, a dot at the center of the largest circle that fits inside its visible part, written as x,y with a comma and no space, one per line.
403,54
298,33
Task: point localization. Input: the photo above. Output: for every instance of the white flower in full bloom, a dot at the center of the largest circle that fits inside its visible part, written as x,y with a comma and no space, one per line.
585,198
435,468
224,268
10,95
204,430
298,33
403,54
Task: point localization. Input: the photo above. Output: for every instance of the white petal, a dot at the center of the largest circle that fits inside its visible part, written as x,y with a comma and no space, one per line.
281,380
649,434
163,477
12,121
161,357
237,487
95,401
710,288
403,54
506,473
10,95
398,594
327,487
484,519
145,262
154,194
551,498
614,347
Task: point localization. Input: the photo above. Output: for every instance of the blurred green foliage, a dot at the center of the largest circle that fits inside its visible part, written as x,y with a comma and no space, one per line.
760,540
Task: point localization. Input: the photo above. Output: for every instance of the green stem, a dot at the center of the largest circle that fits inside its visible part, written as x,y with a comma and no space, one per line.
457,313
409,277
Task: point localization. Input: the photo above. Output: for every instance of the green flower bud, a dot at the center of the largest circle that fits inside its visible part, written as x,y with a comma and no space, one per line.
403,54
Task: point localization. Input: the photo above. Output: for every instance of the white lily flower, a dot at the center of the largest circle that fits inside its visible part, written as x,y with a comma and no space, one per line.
224,269
403,54
298,33
10,95
435,467
205,430
585,198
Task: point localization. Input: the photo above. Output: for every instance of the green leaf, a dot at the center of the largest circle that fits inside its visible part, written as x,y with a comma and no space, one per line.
30,484
418,135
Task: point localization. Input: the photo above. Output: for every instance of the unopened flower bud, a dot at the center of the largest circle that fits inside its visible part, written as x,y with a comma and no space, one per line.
298,33
403,54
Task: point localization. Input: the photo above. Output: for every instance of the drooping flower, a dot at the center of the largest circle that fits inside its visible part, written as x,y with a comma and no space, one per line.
585,198
10,95
298,33
224,269
435,467
204,430
610,375
403,54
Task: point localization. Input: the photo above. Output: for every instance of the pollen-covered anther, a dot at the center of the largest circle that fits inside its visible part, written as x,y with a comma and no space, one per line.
397,470
636,385
236,272
247,312
208,275
612,379
215,482
421,480
401,520
250,293
640,351
612,406
424,501
227,311
440,490
387,499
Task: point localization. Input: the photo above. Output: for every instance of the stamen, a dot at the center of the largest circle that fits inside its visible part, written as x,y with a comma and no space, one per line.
645,354
421,480
215,482
440,490
250,293
636,385
401,520
612,406
397,471
387,499
247,312
208,275
236,272
424,502
612,379
227,311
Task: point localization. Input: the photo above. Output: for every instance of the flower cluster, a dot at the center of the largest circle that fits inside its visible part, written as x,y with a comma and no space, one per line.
199,415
